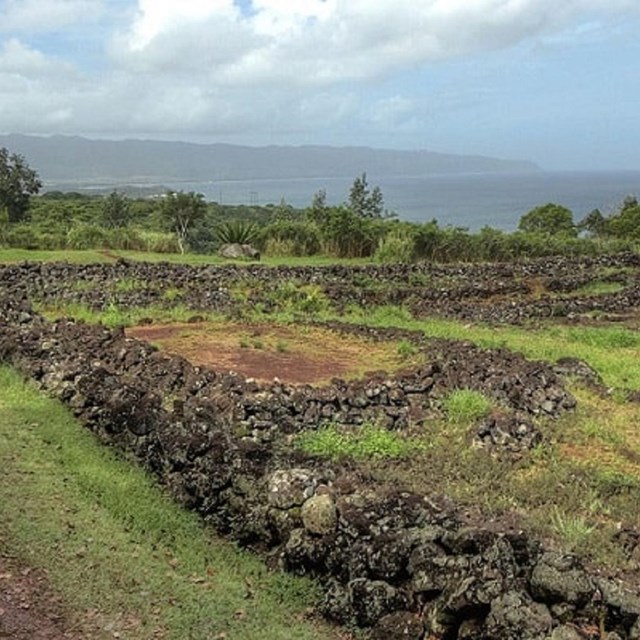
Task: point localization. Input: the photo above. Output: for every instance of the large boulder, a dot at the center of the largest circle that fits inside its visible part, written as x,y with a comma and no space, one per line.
239,251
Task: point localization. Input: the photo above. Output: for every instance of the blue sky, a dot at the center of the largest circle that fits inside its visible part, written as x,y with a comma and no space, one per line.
553,82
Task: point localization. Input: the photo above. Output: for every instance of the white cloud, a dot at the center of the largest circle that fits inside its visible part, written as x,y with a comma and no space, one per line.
321,42
21,60
46,15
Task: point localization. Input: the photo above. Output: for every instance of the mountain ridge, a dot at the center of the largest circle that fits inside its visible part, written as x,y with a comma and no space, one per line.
76,159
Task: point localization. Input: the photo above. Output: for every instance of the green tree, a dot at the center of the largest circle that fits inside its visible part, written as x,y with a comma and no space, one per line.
181,211
116,210
549,219
365,202
319,208
594,222
18,182
625,223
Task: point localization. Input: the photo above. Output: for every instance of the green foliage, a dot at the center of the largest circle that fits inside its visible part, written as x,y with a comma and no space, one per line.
26,236
625,223
365,202
180,211
597,288
347,235
158,242
117,315
4,226
172,294
87,236
466,406
406,349
368,442
574,530
18,182
318,207
292,297
116,210
398,245
283,231
594,223
237,232
548,219
605,337
299,238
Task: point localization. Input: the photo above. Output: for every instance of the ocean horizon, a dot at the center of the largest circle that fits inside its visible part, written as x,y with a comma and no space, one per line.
473,201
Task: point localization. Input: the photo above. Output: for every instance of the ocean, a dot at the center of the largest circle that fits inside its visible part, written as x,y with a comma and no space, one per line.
468,200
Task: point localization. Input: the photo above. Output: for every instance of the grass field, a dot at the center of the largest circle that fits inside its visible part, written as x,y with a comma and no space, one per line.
83,257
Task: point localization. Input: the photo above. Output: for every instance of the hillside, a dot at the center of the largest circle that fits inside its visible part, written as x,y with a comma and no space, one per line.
71,159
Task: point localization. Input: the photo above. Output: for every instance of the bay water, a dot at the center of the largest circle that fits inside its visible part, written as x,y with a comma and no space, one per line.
466,200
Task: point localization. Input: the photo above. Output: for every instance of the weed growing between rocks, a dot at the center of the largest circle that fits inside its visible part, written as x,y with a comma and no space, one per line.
466,406
114,315
368,442
574,530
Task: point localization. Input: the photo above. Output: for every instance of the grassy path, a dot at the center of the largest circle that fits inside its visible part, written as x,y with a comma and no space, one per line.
117,550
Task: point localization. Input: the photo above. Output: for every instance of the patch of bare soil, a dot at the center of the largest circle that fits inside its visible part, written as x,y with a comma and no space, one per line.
293,355
29,609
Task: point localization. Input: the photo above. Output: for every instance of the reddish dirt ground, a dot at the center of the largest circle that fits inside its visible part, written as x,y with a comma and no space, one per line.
29,610
293,356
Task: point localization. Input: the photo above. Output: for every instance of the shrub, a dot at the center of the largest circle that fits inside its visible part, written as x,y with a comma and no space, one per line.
295,298
277,247
288,237
159,242
237,232
397,246
88,236
346,235
23,237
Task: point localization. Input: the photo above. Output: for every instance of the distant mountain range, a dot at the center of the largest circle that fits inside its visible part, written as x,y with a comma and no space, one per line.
73,160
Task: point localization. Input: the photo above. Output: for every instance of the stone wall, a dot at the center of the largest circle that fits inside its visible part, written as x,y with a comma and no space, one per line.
479,292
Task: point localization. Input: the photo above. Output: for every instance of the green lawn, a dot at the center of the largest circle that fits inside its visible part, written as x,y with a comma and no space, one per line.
85,257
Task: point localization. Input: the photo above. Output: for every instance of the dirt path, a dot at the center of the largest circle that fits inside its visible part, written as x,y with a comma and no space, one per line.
29,609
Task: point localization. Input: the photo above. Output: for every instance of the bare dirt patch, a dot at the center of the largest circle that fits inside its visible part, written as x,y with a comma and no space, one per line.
295,355
29,610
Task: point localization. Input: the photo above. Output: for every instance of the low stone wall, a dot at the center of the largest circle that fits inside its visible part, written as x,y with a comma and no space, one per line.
405,565
483,292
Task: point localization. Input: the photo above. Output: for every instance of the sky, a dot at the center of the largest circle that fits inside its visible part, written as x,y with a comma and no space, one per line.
552,81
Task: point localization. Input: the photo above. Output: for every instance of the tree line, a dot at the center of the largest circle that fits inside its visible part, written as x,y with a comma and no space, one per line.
360,227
